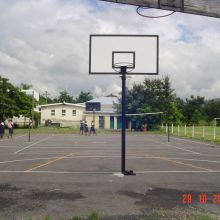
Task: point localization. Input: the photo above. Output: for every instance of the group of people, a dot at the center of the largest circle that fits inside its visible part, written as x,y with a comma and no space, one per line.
10,126
84,128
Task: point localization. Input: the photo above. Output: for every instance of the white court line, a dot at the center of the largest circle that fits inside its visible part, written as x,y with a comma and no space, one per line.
15,137
109,157
14,161
208,161
108,172
24,148
197,142
178,171
8,146
183,149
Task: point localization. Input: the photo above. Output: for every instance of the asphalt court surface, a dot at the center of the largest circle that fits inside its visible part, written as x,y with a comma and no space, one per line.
90,166
102,153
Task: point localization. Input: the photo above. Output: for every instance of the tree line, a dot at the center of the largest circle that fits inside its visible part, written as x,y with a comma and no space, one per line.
14,102
157,95
152,95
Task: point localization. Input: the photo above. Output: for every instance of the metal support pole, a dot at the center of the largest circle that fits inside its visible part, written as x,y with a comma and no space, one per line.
168,133
29,131
32,115
123,130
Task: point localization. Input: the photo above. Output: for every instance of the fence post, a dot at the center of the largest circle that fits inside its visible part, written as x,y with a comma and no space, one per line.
203,132
214,136
193,131
172,128
178,130
162,126
166,128
185,130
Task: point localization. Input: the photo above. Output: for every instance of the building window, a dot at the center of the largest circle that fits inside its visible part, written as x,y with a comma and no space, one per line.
52,112
74,112
63,112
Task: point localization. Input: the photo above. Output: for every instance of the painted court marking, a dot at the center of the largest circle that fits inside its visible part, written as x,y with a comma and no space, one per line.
15,137
185,164
109,157
191,141
112,172
173,146
178,162
24,148
49,162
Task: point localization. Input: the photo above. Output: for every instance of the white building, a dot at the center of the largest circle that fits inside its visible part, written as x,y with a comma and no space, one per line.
65,114
68,114
106,116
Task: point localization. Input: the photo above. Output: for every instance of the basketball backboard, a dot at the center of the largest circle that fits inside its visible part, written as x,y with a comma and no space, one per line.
200,7
139,53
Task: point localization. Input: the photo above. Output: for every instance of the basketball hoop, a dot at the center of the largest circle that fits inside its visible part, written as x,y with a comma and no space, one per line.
149,16
129,66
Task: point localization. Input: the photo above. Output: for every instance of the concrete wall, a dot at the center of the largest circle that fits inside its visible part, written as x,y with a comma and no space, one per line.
58,117
107,121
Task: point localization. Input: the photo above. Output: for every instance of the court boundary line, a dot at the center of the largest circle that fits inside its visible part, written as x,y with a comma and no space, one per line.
15,137
185,164
193,141
173,146
110,172
49,162
26,147
109,157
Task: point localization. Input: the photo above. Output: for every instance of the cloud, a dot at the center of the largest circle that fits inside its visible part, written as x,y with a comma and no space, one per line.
45,43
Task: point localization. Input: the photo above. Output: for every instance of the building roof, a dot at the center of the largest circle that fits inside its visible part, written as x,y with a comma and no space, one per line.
105,100
82,105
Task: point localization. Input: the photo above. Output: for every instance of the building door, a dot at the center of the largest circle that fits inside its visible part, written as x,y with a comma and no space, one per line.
112,122
101,122
119,122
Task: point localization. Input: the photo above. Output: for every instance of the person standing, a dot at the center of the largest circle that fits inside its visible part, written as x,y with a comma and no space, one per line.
86,129
10,128
92,129
81,127
1,129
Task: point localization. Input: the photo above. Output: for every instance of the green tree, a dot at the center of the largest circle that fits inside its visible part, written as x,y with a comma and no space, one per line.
154,95
83,97
25,86
194,110
212,109
65,97
13,102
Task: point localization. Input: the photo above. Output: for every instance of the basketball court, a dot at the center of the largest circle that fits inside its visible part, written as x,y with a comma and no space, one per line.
84,172
66,175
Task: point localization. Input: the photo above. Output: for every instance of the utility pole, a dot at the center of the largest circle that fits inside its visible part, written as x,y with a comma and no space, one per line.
46,93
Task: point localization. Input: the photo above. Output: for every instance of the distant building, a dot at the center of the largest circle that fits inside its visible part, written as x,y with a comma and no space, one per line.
104,113
101,110
32,93
65,114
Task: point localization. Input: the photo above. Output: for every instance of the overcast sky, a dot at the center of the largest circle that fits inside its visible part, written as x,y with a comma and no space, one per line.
46,43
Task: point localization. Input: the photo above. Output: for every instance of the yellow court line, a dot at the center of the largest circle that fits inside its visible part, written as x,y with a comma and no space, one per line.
49,162
178,162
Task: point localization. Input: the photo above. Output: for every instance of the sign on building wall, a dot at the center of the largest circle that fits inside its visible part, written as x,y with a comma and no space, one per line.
93,106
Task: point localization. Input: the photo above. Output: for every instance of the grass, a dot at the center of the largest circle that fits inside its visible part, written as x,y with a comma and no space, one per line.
94,215
203,217
159,214
202,133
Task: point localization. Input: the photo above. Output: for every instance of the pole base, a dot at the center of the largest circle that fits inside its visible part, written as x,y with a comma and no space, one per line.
129,173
